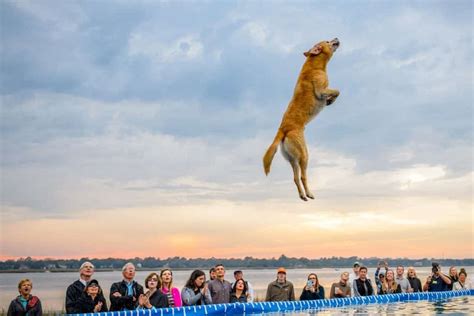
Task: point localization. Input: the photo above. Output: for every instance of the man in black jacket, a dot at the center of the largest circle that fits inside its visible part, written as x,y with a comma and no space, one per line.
75,290
124,295
362,286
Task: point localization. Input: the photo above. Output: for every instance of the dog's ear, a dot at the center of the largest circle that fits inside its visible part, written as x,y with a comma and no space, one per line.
315,50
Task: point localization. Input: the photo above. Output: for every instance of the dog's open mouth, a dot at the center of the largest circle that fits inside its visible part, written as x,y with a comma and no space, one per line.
335,44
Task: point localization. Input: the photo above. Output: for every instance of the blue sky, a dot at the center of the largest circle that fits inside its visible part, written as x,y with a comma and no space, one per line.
152,108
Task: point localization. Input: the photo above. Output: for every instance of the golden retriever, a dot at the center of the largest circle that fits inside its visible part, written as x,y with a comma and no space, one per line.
311,95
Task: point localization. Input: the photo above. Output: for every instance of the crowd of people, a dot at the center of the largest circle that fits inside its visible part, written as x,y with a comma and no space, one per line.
85,295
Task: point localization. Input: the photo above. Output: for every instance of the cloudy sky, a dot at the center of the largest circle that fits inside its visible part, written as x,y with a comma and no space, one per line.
137,128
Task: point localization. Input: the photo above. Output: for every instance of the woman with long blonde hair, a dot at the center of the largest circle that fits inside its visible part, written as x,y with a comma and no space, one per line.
389,285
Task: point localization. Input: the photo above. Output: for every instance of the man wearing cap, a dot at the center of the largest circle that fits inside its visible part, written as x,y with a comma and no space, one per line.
380,276
75,290
124,295
239,275
354,275
280,289
219,288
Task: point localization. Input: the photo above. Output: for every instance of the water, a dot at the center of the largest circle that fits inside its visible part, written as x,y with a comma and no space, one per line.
51,287
453,306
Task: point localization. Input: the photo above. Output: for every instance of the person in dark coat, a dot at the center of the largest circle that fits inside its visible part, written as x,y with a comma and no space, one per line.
239,292
415,283
124,294
313,290
25,303
153,297
92,300
75,291
362,285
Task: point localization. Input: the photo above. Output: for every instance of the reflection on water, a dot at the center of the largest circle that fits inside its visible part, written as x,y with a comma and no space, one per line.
453,306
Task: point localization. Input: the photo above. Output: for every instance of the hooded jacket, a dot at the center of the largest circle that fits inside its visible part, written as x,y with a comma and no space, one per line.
33,307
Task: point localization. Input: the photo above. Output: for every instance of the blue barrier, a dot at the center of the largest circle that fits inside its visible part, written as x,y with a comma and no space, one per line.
287,306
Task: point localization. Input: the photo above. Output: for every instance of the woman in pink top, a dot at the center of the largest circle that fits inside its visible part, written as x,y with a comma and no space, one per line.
174,296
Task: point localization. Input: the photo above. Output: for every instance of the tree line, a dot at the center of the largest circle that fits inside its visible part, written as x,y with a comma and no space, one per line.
202,263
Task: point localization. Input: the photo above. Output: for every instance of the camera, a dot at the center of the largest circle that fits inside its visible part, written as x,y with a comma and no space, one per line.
435,267
309,283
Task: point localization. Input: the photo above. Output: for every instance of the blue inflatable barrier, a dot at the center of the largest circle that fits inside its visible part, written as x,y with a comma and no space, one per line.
288,306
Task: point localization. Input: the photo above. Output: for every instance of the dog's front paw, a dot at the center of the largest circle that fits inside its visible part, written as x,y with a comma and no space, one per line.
310,195
303,198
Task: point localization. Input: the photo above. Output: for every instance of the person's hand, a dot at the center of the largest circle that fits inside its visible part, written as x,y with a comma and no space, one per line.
116,294
98,307
410,290
142,299
204,289
337,291
428,279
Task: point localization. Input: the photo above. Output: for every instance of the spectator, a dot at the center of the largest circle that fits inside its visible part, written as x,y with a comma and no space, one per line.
174,297
212,274
437,281
280,289
341,288
92,299
461,283
362,285
313,290
153,297
415,283
402,281
195,292
250,292
239,292
25,304
390,286
220,289
380,276
453,276
76,289
354,275
124,294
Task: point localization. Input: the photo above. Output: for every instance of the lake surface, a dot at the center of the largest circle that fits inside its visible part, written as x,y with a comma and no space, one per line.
51,287
452,306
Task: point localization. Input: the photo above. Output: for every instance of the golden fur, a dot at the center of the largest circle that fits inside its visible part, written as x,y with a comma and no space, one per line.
311,95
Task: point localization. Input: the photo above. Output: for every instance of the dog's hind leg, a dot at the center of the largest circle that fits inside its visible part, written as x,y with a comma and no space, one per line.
304,166
293,150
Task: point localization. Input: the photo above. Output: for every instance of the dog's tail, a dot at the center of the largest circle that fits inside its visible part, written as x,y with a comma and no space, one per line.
267,159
